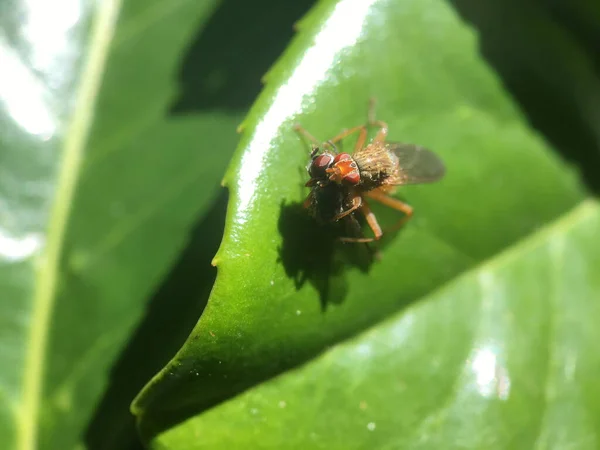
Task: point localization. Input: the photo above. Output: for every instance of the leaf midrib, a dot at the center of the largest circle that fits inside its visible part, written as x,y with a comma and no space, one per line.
47,273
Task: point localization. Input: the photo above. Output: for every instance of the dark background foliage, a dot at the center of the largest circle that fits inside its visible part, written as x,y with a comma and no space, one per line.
176,82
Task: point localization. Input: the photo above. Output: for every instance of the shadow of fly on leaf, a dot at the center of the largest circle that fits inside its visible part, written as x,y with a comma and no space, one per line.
312,251
342,185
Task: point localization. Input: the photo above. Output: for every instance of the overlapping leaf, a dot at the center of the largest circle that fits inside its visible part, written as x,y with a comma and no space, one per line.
101,184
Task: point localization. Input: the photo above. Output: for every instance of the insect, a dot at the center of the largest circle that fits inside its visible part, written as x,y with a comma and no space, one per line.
341,182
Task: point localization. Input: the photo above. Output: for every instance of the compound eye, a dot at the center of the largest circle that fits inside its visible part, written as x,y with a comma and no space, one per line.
319,164
352,178
341,157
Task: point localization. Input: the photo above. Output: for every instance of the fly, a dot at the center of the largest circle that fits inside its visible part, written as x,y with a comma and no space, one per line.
342,183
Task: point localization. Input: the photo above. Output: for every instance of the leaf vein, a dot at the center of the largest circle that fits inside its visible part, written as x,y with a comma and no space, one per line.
48,271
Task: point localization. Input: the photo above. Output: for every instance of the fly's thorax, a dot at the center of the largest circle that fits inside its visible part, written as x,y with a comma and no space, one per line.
375,164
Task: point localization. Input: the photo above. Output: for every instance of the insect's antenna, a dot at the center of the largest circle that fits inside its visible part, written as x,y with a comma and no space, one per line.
315,150
332,145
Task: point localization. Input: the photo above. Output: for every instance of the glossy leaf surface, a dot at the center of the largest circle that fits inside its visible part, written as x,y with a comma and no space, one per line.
284,292
101,183
519,374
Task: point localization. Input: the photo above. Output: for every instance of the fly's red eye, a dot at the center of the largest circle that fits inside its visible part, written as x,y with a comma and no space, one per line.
341,157
319,164
352,178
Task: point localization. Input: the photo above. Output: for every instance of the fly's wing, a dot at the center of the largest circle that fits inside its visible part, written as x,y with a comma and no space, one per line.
415,165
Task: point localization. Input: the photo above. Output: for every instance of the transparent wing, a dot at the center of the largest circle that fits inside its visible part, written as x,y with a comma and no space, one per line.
415,164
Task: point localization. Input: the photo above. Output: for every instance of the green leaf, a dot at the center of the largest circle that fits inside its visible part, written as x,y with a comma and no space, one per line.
102,182
284,293
493,360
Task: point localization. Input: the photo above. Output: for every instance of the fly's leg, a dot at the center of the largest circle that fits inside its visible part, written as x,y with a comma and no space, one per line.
394,204
362,137
308,201
331,142
356,203
354,226
391,202
304,132
331,145
315,144
371,221
380,137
